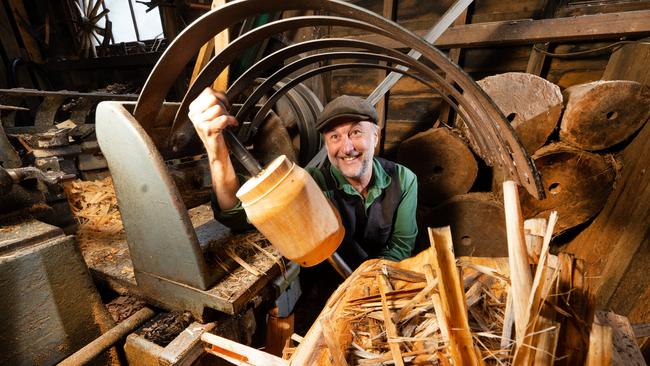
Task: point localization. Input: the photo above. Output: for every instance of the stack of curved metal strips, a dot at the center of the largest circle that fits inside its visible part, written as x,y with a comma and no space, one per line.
495,138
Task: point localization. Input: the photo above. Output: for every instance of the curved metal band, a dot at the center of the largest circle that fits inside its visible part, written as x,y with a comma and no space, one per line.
262,89
285,88
229,54
503,148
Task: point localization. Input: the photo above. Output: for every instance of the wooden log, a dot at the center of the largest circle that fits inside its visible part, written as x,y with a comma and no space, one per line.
443,163
520,276
531,104
577,184
476,221
602,114
453,299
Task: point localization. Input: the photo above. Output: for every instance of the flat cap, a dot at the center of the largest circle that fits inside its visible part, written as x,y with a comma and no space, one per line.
344,109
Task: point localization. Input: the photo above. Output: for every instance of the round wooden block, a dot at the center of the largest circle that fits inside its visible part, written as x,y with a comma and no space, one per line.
443,163
531,104
603,113
477,223
577,184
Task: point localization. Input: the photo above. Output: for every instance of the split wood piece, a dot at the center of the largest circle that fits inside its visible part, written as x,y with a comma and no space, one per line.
577,184
419,297
537,332
534,230
600,345
531,104
239,354
391,330
337,352
507,340
602,114
630,62
444,164
625,350
476,221
520,276
462,348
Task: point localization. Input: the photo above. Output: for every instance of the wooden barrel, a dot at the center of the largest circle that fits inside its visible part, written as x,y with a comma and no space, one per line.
286,205
602,114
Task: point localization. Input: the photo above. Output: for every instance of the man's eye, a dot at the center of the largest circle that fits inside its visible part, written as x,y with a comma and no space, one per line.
355,132
333,137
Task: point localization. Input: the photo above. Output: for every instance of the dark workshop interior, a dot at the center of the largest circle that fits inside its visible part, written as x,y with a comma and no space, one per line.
504,195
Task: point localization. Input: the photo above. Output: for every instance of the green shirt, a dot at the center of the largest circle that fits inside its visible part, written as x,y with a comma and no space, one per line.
402,239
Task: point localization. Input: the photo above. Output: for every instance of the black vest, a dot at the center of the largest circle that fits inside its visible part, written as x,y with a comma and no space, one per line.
366,234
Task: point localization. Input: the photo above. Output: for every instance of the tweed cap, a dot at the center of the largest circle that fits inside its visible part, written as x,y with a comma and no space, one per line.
344,109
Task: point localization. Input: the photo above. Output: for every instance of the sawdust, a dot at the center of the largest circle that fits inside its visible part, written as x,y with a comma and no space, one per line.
94,204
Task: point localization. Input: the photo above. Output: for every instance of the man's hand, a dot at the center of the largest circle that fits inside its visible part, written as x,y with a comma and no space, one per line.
209,114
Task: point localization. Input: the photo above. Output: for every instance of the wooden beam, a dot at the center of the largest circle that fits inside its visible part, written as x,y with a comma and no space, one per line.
391,329
537,56
580,28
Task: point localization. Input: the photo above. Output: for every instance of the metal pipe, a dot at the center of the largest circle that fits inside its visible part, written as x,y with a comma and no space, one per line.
106,340
339,265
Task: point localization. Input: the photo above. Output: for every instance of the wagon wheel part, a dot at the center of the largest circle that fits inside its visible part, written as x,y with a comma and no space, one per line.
492,132
88,30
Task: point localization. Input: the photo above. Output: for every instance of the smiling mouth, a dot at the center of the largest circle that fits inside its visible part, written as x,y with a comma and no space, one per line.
349,158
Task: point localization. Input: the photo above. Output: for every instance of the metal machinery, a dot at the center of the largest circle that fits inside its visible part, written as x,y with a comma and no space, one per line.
167,252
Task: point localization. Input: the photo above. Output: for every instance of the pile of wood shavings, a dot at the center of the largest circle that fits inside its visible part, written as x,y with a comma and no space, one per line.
94,204
246,257
420,335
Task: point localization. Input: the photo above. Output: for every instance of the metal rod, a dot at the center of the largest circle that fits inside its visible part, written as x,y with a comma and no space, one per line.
106,340
339,265
240,152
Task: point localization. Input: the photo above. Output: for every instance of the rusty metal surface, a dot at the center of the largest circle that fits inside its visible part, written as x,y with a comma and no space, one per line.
487,124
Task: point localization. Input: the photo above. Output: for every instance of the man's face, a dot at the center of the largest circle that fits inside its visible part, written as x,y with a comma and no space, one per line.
350,147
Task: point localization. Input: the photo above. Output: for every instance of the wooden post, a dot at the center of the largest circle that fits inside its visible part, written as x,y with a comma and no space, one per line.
520,276
278,331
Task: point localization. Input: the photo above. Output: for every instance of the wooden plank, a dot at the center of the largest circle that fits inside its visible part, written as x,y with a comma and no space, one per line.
7,36
625,349
453,298
630,62
22,20
586,27
520,275
239,354
445,115
600,346
619,234
389,12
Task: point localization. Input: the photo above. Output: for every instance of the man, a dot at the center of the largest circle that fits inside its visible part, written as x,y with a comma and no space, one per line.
376,198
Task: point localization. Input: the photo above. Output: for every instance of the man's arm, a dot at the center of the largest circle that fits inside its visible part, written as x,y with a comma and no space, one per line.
405,229
209,114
